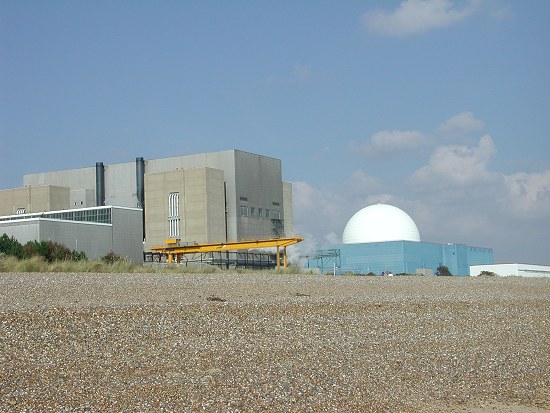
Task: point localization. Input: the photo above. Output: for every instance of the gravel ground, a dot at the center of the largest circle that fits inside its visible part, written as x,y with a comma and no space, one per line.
265,342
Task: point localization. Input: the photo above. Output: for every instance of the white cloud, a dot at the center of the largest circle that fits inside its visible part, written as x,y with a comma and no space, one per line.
455,197
360,182
415,16
457,165
460,125
323,212
527,194
385,144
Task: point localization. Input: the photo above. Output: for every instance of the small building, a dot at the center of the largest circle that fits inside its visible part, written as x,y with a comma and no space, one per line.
96,231
512,270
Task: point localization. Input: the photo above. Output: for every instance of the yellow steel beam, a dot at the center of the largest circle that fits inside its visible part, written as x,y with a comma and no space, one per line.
227,246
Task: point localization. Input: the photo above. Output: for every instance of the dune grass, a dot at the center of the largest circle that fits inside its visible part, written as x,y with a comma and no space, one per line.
39,264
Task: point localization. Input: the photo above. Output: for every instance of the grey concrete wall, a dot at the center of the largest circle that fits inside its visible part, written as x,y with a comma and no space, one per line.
254,177
205,208
96,240
82,178
34,199
127,237
201,205
82,198
287,203
22,231
223,160
120,185
258,187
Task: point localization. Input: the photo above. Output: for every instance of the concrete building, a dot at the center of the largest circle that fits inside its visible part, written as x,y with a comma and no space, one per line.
513,270
383,238
33,199
96,231
204,198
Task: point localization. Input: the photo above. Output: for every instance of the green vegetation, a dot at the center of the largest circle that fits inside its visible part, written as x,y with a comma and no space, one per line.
443,271
48,250
47,256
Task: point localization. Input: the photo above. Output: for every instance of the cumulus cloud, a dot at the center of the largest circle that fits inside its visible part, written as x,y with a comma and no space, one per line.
527,193
460,125
457,196
457,165
360,182
317,211
323,212
416,16
385,144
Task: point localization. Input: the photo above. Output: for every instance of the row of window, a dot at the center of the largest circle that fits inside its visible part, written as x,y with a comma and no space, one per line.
100,215
246,211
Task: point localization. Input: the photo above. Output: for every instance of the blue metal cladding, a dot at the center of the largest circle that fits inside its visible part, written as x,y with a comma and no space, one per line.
407,256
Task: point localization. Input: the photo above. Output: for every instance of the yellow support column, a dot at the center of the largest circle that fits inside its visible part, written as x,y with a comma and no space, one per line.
278,257
284,257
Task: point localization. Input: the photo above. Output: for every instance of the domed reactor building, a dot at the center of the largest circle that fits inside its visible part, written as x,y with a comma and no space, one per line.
382,238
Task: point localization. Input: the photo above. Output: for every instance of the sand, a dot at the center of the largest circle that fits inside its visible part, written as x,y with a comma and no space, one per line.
280,343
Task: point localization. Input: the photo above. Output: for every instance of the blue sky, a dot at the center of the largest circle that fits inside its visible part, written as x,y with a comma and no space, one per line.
441,107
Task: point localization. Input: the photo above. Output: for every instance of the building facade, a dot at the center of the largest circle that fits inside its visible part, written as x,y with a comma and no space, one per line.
204,198
382,238
96,231
408,257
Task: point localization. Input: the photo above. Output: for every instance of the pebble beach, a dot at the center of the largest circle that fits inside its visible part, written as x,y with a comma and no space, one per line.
265,342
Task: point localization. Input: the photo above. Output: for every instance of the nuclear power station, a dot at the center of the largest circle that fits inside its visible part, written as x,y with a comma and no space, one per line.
129,208
229,208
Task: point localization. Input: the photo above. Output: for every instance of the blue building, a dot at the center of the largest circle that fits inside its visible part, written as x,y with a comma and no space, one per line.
382,238
406,257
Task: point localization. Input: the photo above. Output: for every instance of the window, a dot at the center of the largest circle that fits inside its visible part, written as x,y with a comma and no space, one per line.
275,203
260,212
174,215
244,211
252,211
267,213
20,211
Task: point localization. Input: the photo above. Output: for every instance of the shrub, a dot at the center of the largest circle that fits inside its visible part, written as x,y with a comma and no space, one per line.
487,274
443,271
78,255
111,258
10,246
51,251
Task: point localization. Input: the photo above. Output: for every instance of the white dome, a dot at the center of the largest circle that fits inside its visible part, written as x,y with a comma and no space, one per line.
379,223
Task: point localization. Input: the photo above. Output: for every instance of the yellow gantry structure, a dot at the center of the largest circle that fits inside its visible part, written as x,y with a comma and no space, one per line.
172,249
